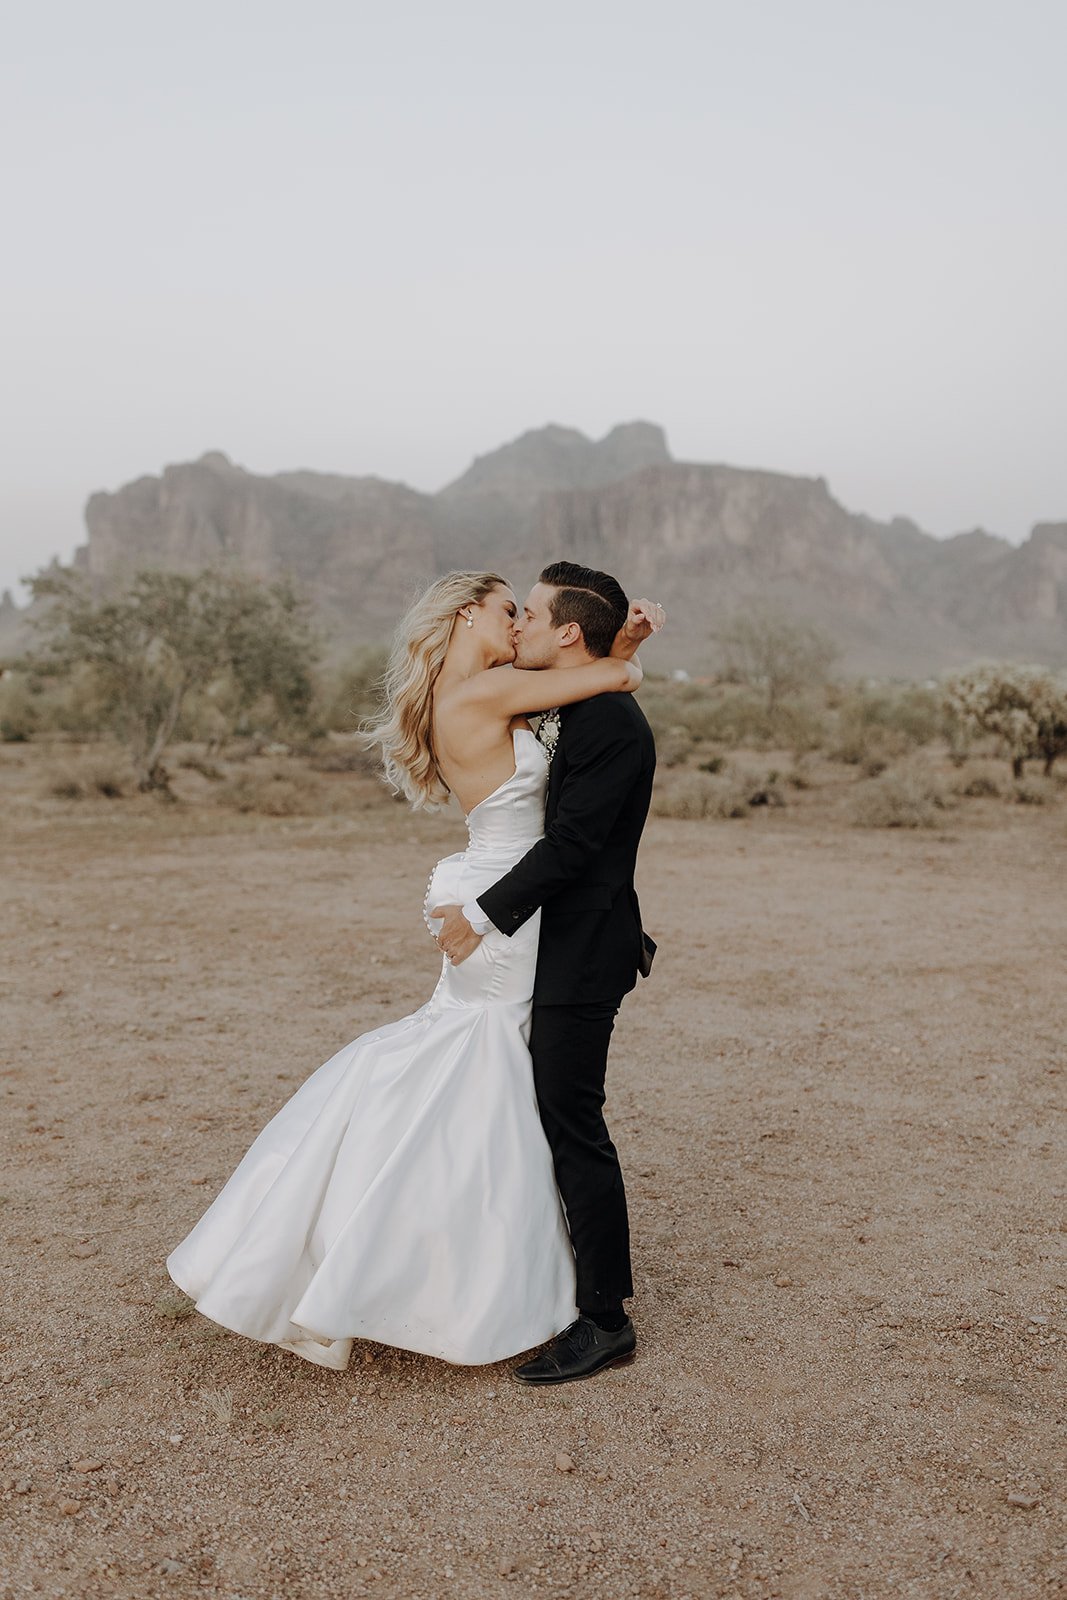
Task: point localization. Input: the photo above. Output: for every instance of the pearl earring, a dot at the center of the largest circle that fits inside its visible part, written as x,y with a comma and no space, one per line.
470,622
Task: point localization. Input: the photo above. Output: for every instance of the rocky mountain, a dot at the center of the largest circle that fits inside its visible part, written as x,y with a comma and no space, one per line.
703,539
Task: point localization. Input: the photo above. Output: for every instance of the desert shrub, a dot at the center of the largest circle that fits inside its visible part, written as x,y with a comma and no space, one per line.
167,636
980,787
767,793
912,710
1029,793
174,1305
878,723
206,769
349,692
905,797
872,766
19,714
799,725
773,653
1023,707
713,764
67,786
275,793
731,715
102,775
218,1405
341,757
673,747
858,745
34,702
695,795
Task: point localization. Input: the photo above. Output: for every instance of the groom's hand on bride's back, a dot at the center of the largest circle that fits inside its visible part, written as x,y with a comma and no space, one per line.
457,939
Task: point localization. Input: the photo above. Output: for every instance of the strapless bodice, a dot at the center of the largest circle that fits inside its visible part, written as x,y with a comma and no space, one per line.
500,830
508,821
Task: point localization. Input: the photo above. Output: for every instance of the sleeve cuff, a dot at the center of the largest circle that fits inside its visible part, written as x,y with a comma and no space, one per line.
477,918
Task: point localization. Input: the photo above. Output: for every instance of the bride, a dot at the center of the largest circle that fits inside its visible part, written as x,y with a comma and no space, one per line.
406,1192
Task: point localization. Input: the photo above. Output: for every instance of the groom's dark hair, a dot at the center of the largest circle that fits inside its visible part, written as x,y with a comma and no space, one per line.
594,600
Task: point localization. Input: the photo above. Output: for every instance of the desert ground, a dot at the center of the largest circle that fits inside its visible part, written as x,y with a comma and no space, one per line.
835,1102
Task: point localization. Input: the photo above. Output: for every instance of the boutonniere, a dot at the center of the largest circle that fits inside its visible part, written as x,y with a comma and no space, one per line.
548,731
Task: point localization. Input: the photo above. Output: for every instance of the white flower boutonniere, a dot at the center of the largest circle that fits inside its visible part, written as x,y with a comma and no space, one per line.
548,731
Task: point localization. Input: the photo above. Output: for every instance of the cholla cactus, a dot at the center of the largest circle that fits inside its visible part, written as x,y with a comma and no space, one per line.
1025,707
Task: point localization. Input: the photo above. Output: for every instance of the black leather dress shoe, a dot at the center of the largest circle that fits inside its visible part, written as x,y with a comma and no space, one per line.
578,1352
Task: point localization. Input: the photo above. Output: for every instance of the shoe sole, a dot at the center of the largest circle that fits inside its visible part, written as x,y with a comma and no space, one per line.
576,1377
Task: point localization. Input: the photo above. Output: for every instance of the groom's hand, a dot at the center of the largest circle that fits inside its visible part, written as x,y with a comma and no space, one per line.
457,939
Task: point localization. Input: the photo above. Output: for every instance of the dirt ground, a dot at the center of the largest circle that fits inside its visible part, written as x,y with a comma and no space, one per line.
836,1106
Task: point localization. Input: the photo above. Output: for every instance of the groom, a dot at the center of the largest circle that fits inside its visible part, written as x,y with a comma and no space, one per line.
592,947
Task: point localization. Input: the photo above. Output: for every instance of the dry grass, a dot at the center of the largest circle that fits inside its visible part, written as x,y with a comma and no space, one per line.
983,786
174,1305
1034,792
338,756
89,775
273,1419
696,795
207,769
218,1405
905,797
278,792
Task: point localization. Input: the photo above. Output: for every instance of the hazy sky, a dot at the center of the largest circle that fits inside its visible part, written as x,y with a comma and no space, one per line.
819,236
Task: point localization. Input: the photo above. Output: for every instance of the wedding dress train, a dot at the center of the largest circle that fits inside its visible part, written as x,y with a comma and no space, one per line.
406,1193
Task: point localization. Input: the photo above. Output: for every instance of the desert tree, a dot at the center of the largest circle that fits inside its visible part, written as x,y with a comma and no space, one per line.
351,689
166,635
1023,707
774,653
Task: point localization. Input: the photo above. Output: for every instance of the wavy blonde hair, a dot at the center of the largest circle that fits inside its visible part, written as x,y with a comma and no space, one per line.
403,731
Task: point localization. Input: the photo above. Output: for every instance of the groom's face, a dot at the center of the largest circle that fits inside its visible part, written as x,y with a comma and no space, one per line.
537,643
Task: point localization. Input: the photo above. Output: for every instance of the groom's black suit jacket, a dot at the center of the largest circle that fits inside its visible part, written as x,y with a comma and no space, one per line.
581,873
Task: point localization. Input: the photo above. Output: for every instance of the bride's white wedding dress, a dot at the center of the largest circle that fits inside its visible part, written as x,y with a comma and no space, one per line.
406,1193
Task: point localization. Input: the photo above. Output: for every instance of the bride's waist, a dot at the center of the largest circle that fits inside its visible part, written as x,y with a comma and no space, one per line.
487,860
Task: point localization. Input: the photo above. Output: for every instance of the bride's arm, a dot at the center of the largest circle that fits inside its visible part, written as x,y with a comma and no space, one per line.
511,691
644,618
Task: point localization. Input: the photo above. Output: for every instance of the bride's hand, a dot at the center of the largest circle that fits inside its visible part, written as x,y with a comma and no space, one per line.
644,618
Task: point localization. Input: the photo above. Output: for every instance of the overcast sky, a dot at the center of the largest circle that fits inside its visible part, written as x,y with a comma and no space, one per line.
819,236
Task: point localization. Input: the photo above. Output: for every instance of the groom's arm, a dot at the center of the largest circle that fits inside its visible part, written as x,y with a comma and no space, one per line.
604,761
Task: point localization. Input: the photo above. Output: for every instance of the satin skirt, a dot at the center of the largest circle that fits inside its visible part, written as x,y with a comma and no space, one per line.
405,1193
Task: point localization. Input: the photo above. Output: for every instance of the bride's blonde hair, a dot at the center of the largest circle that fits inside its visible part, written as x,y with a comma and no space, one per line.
403,730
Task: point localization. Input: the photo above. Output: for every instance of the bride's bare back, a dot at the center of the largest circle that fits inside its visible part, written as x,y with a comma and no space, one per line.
477,763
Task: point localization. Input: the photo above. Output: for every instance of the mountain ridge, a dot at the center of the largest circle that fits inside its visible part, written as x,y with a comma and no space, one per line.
705,538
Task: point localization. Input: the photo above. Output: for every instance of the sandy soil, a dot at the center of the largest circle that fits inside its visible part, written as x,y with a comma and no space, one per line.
835,1103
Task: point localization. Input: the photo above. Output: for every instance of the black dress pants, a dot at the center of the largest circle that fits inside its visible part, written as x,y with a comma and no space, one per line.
569,1045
